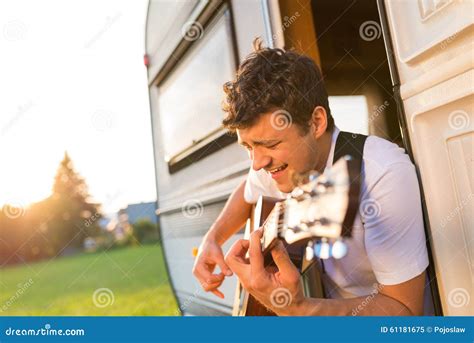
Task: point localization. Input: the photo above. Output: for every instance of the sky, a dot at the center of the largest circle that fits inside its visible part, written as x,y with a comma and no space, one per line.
72,79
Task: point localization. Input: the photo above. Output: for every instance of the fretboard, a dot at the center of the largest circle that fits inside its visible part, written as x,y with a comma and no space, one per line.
273,225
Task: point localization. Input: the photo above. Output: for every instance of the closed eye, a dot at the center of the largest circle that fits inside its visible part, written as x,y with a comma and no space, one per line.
273,146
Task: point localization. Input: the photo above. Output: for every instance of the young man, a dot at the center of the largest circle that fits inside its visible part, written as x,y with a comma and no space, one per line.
278,107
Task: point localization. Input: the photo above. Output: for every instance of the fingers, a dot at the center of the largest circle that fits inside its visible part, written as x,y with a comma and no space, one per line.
209,287
211,282
223,266
283,261
255,252
237,251
218,293
235,258
212,287
203,272
213,278
210,256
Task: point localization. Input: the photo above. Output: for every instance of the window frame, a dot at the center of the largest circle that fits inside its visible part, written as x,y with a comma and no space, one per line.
219,138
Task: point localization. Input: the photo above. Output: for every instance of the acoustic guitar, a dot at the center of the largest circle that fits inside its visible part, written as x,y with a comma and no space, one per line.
313,222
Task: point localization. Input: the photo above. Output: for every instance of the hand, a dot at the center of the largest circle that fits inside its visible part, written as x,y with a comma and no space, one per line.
209,255
278,288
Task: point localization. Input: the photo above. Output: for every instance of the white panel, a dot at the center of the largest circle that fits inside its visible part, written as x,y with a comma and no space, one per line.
433,43
428,48
427,23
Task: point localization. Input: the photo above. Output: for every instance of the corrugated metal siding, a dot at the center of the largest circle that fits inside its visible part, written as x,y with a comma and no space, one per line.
181,233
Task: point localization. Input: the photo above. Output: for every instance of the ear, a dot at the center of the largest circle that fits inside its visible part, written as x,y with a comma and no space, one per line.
319,121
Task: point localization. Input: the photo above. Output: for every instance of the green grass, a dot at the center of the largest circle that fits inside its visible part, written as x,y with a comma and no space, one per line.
135,276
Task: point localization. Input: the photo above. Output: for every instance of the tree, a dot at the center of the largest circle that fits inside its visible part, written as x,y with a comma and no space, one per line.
70,214
49,227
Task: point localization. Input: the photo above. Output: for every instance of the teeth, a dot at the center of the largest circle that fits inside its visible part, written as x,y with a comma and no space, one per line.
277,169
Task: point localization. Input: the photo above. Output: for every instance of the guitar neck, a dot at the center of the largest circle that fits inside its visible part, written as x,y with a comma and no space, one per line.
272,226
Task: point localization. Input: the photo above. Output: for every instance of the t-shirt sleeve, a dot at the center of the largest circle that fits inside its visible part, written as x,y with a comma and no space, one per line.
253,187
393,221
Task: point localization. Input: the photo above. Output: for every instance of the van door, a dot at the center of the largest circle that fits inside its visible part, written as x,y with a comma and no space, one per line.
430,48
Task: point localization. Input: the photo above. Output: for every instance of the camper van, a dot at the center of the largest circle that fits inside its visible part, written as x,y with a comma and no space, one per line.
398,69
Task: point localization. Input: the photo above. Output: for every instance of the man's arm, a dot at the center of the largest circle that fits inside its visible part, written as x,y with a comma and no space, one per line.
232,218
405,299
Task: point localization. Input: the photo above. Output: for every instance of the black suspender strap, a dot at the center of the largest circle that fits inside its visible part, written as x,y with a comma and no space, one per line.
350,144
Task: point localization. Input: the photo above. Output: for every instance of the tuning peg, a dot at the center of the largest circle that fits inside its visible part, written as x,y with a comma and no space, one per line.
309,251
322,249
339,249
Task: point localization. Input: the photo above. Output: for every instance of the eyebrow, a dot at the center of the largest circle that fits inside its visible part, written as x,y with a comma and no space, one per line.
261,142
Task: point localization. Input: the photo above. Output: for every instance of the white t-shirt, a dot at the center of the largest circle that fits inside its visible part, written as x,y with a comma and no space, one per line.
388,243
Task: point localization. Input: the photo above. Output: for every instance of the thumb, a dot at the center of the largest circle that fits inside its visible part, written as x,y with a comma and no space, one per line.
282,259
222,265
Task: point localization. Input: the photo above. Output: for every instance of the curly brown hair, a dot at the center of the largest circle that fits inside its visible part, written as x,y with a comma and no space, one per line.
274,79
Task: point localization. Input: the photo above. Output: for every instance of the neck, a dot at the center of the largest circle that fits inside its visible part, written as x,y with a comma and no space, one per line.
324,147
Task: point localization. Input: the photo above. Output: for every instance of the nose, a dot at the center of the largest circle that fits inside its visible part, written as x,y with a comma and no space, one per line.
259,160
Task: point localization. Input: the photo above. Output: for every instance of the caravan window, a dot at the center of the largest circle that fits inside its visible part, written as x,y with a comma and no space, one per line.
190,97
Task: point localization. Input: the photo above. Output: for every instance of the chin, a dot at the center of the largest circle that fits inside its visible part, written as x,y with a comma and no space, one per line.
285,188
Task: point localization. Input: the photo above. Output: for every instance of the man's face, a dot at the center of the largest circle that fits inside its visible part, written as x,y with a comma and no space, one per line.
280,150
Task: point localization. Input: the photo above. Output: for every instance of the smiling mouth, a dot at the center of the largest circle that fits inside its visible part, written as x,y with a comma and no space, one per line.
276,170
